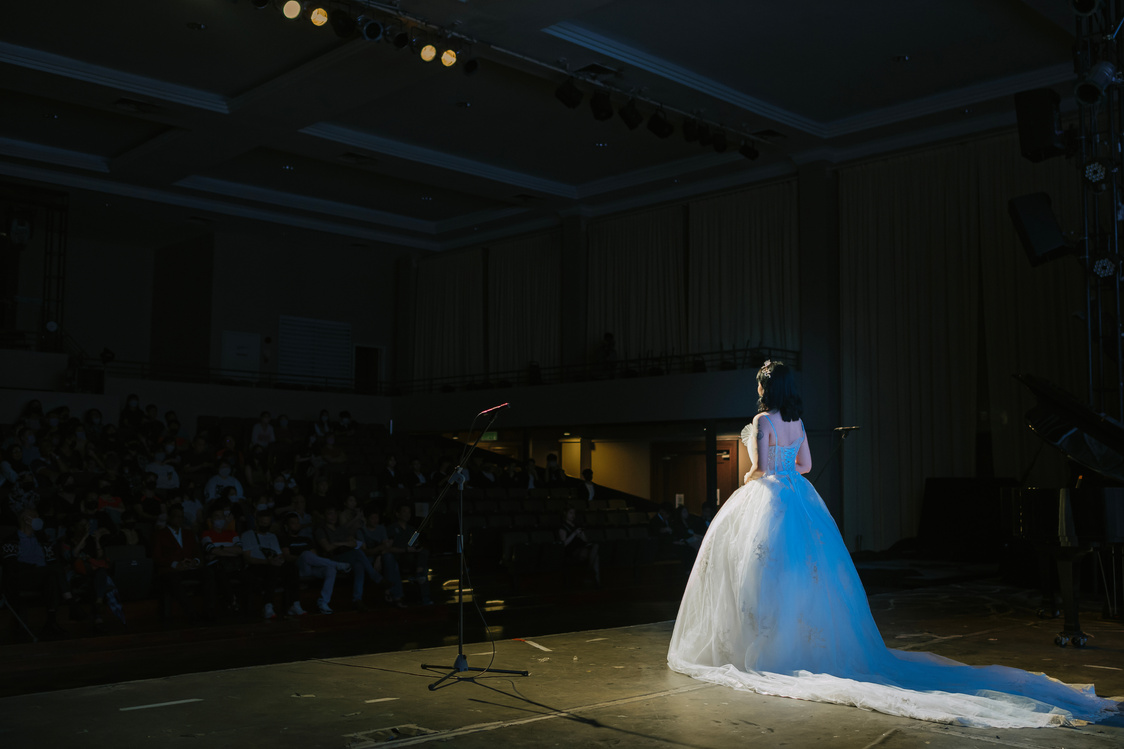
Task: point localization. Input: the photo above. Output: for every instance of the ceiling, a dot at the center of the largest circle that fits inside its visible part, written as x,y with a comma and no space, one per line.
215,111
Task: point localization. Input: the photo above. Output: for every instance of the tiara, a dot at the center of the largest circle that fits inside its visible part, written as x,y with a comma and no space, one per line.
765,372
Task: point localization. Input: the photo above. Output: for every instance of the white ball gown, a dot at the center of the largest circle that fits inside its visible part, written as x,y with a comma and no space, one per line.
774,606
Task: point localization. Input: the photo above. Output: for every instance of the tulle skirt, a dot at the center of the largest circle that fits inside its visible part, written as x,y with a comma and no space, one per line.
774,606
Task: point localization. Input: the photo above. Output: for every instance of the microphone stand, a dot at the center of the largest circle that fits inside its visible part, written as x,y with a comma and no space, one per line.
836,448
458,477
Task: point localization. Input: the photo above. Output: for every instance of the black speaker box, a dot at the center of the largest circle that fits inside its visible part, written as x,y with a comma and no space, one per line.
1039,116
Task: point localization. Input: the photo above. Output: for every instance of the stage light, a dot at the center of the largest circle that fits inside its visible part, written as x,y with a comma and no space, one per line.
690,129
471,66
371,30
449,57
262,4
1097,171
749,151
1085,7
601,104
1104,267
318,16
630,115
1091,89
291,9
719,141
428,53
569,94
659,125
400,40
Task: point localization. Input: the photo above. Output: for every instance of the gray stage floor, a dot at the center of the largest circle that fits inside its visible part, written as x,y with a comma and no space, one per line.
607,687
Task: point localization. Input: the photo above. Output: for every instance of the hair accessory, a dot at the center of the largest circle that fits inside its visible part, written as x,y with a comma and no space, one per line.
765,372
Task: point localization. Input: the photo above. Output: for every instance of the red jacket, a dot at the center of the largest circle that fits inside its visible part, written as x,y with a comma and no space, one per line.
165,548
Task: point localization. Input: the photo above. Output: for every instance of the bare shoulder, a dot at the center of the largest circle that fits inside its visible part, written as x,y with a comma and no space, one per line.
761,423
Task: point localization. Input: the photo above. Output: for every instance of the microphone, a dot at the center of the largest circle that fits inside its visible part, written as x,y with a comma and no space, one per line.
845,429
494,408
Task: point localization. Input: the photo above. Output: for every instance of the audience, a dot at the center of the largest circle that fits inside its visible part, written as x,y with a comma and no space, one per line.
577,546
267,567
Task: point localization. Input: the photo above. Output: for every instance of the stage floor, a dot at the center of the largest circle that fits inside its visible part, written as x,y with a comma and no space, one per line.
601,687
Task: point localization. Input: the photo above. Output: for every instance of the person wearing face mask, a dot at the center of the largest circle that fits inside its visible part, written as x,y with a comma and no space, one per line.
30,564
131,417
222,550
221,481
166,475
281,496
92,422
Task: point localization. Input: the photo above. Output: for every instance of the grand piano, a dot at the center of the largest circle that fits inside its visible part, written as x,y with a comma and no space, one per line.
1070,525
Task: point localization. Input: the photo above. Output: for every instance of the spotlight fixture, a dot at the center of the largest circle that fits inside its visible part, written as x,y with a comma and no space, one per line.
371,30
1104,267
261,4
1097,173
428,53
449,57
719,141
569,94
631,115
749,151
705,138
1091,89
471,66
659,124
1085,7
318,15
601,105
401,40
291,9
690,129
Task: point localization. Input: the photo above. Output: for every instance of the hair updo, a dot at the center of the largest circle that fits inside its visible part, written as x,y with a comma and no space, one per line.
778,384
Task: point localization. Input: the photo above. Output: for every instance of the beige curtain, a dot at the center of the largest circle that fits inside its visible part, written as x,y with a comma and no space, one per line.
636,285
743,274
524,297
909,305
449,316
1030,314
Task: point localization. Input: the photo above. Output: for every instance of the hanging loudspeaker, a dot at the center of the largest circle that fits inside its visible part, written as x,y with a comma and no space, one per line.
1037,228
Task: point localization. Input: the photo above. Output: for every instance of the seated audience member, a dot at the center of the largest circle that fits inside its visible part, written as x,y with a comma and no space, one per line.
512,476
660,524
531,474
683,532
200,459
193,511
413,561
331,453
444,470
376,544
299,507
85,451
222,551
321,428
257,468
552,474
588,485
149,505
95,430
18,481
286,438
578,548
177,556
165,472
228,451
88,571
175,445
267,567
321,496
30,454
391,476
263,434
280,495
340,544
126,533
30,564
286,475
151,426
131,417
350,514
346,426
297,545
488,475
32,415
217,485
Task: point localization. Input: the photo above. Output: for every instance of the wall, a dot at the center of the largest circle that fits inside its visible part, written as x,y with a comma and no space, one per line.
261,274
624,466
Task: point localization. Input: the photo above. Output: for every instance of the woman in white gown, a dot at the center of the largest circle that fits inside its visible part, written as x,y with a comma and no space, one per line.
774,605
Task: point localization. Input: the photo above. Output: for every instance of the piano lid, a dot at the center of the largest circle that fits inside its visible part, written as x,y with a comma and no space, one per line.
1092,440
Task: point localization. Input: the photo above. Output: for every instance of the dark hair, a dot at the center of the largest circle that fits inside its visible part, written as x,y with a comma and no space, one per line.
779,384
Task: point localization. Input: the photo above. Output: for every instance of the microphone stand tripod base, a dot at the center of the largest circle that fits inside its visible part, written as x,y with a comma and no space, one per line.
461,665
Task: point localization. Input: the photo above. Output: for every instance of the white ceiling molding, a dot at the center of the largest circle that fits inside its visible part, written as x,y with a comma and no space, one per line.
386,146
243,191
614,49
952,100
59,156
222,207
48,62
